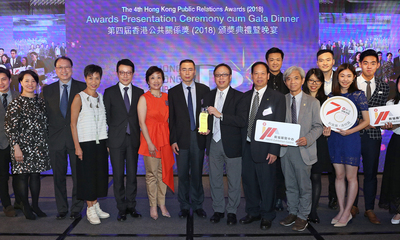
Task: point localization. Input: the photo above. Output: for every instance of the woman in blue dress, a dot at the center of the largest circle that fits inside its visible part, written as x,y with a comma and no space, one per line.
345,145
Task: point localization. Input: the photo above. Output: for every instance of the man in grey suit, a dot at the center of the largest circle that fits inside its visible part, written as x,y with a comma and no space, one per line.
6,95
297,161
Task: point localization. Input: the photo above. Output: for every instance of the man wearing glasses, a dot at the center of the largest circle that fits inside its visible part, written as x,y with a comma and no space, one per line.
227,116
121,101
58,97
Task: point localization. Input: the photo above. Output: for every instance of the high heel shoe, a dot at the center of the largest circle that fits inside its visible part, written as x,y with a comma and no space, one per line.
334,221
153,213
38,212
338,224
28,213
164,211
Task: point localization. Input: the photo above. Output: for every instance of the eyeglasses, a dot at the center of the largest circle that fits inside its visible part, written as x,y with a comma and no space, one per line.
318,82
222,75
125,73
63,68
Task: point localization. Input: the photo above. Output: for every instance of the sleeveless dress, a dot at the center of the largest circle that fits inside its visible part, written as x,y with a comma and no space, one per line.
157,125
347,149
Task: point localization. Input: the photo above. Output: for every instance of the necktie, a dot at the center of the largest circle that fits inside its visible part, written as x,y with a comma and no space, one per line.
190,108
217,130
294,115
5,100
64,101
127,106
368,90
253,112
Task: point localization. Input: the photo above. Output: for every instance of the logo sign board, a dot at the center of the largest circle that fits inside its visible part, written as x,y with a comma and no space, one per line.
338,113
277,132
378,116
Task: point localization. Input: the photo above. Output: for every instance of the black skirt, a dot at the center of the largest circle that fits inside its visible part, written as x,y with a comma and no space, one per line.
92,171
324,161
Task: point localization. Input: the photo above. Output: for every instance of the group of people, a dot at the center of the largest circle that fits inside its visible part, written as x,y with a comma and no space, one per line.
71,119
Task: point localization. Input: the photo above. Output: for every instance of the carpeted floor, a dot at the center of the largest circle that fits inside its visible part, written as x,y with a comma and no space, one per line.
194,227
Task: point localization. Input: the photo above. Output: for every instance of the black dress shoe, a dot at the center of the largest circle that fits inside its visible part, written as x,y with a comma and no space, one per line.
183,213
75,215
201,213
61,215
38,212
28,213
231,219
249,219
216,217
313,217
133,213
121,216
265,224
333,204
279,205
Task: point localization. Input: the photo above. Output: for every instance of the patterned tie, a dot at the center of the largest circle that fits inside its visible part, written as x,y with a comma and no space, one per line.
64,101
294,115
368,90
190,108
127,106
5,100
253,112
217,131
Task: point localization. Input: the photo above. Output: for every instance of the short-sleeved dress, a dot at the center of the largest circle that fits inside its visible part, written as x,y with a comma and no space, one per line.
158,128
347,149
26,124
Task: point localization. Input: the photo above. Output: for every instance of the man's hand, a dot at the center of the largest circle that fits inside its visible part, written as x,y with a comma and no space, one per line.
301,141
205,133
271,158
213,111
175,148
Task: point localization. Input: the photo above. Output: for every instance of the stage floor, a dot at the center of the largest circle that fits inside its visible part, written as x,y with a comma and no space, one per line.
191,228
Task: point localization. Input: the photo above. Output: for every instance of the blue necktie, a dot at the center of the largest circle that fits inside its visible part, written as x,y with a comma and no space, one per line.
128,106
64,101
190,108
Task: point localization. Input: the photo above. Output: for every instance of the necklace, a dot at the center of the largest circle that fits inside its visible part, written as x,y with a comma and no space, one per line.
95,115
156,96
98,101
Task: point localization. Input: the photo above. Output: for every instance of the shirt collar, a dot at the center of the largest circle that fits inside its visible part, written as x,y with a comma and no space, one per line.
261,91
360,79
225,91
122,86
68,84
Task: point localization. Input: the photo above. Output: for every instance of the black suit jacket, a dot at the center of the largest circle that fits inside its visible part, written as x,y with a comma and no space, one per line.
118,117
17,63
59,127
271,99
179,120
396,66
234,119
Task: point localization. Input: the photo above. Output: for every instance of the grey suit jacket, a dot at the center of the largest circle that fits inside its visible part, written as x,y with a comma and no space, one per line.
311,126
3,139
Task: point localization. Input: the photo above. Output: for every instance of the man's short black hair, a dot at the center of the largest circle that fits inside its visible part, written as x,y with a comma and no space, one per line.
259,63
187,61
379,52
13,50
91,69
65,58
274,50
6,71
3,49
322,51
369,52
126,62
223,65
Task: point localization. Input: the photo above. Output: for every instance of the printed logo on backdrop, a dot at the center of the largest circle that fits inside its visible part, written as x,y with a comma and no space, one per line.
277,132
338,113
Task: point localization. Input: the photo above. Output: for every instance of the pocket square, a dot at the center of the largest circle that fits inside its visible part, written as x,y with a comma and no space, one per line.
267,111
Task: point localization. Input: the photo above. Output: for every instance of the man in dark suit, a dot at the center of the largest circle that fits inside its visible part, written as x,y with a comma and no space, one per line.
396,65
39,67
224,143
58,97
258,168
188,145
121,101
7,95
376,90
14,60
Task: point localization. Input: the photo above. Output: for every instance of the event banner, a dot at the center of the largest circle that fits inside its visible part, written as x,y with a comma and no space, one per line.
277,132
378,116
162,33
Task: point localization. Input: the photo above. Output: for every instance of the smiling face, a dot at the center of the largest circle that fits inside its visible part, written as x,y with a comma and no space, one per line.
4,83
28,84
314,84
294,82
274,62
125,74
93,81
345,78
155,81
64,70
260,76
325,62
222,77
369,65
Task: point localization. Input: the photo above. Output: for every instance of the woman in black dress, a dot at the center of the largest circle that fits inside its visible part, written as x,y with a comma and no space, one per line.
26,128
313,86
